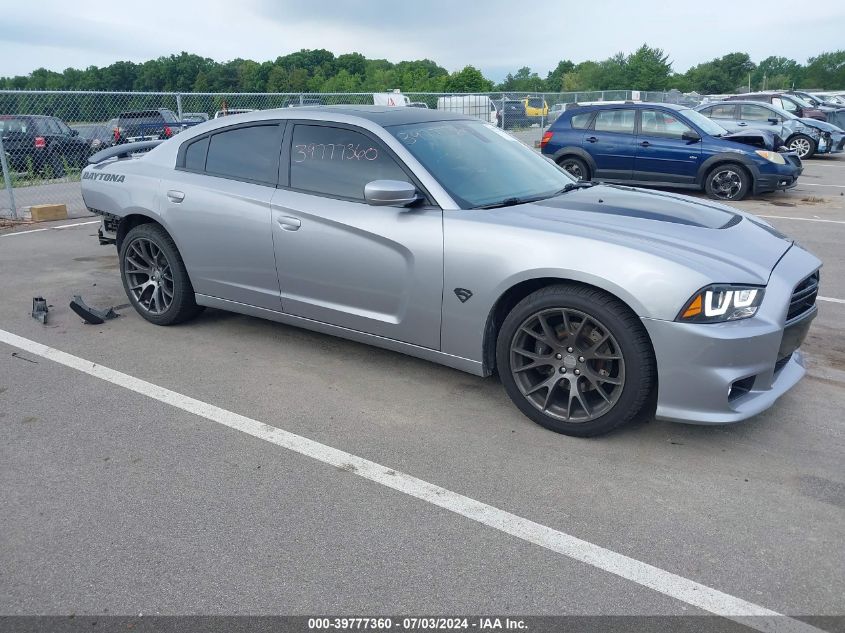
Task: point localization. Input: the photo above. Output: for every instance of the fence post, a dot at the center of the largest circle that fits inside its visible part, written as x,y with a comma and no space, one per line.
7,179
179,106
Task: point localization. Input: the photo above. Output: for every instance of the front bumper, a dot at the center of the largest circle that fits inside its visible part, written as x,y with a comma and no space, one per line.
727,372
773,177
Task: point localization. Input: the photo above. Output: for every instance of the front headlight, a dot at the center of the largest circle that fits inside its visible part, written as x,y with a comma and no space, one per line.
772,157
720,303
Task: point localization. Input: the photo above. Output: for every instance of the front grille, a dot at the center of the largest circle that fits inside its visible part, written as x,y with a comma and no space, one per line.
781,362
794,160
803,297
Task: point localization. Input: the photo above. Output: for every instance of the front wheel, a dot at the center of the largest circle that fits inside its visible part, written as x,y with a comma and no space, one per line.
728,182
575,360
155,278
802,145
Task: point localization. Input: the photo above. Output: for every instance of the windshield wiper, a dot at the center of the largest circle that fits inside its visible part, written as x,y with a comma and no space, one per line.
507,202
572,186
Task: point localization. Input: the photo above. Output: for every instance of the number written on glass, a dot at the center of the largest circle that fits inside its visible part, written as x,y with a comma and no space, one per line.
333,151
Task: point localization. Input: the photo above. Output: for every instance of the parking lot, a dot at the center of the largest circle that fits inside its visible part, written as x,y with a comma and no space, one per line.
191,470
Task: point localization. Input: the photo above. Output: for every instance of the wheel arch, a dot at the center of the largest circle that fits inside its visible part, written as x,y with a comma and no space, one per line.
521,289
576,152
727,158
130,221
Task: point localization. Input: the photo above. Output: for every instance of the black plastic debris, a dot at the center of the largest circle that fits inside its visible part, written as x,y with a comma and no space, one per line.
91,315
39,309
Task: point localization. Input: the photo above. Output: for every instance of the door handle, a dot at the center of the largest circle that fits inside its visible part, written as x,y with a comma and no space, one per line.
289,224
742,123
645,144
175,196
591,139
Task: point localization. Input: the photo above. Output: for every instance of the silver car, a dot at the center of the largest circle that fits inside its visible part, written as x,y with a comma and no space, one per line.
805,137
442,237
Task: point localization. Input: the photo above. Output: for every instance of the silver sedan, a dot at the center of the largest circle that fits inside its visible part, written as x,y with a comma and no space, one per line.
442,237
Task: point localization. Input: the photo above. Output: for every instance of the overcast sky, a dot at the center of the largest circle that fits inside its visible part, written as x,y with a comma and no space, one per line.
496,36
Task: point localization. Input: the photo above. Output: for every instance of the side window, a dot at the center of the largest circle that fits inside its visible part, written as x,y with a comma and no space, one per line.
338,162
756,113
621,121
169,116
722,112
581,121
245,153
789,105
63,129
195,154
42,126
708,112
663,124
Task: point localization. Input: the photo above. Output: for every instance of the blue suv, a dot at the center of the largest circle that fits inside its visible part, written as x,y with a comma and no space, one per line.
666,145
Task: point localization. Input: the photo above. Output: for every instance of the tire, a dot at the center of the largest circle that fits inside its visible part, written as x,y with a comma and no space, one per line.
611,363
576,167
56,165
728,181
803,145
148,247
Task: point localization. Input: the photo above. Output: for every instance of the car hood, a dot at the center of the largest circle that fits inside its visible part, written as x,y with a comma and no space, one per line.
756,138
824,126
726,244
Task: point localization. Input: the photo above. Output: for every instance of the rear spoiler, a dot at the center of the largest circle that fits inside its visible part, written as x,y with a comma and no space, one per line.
122,151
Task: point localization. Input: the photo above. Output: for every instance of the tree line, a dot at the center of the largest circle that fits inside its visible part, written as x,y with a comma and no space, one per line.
320,70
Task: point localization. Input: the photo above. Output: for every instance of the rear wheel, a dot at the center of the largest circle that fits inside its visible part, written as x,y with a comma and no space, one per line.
728,182
576,167
802,145
155,278
575,360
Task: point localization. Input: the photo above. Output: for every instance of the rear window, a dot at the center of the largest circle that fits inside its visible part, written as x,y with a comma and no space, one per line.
195,155
722,112
535,102
146,114
620,121
581,121
14,126
246,153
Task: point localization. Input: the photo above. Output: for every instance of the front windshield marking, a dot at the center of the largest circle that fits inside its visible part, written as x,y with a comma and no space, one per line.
480,165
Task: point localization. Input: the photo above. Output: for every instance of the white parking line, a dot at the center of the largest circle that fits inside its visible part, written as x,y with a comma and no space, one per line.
673,585
786,217
831,299
818,184
50,228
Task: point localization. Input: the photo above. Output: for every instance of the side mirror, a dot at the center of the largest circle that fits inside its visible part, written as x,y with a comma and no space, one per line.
691,137
774,120
390,193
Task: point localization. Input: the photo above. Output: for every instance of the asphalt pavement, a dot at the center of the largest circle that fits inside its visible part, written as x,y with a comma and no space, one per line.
116,499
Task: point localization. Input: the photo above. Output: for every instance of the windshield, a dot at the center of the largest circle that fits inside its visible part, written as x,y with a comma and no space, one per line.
708,126
478,164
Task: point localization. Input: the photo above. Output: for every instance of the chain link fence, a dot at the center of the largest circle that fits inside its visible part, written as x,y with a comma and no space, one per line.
47,137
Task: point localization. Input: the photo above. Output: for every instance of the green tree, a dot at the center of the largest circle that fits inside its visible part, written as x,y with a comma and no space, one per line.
554,79
647,69
825,71
468,79
776,73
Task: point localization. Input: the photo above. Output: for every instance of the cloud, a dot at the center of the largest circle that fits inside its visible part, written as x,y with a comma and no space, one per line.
497,36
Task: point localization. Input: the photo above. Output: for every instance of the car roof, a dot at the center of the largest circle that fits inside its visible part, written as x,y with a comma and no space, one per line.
385,116
737,102
630,104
